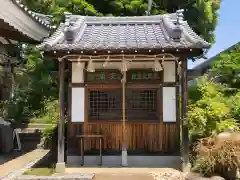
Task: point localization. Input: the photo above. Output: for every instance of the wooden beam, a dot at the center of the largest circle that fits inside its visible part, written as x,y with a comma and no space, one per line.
15,35
182,52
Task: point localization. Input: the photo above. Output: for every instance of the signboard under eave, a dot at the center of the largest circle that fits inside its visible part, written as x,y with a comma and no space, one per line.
116,76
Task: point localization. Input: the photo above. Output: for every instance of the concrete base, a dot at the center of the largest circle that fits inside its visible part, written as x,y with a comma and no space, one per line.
60,168
124,158
186,167
132,161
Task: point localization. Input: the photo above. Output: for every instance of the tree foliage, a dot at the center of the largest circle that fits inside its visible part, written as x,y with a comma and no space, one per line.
215,99
34,84
200,14
226,68
211,111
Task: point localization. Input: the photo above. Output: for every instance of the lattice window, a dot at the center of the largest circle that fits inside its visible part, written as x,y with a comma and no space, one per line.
141,104
105,104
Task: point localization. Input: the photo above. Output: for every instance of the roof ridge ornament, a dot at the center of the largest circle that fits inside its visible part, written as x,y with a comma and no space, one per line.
180,16
177,31
172,28
67,18
67,31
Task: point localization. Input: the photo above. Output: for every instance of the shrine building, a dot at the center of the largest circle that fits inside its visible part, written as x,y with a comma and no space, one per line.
127,88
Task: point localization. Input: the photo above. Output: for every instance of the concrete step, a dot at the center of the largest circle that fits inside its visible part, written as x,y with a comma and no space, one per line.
30,140
33,125
32,130
39,125
30,136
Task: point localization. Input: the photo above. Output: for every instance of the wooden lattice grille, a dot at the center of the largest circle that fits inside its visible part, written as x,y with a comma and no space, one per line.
106,104
141,104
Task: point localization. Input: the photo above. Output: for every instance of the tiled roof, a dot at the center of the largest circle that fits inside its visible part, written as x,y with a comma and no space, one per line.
17,18
45,20
120,33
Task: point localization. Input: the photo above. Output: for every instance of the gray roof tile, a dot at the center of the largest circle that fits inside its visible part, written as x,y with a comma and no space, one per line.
43,19
28,24
119,33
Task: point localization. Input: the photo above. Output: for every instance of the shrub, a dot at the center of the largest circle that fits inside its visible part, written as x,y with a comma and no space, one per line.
49,114
210,112
234,104
49,137
216,156
3,109
209,116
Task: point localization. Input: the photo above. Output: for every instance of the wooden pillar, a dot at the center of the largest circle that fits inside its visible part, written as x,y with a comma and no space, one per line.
184,99
178,114
124,143
60,166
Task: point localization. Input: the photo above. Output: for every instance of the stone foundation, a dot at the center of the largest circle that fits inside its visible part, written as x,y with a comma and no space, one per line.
132,161
82,176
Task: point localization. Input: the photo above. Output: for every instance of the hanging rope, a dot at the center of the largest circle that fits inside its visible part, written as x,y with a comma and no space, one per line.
90,67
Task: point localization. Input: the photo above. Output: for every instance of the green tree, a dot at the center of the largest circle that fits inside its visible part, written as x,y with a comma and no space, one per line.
34,84
200,14
209,111
226,68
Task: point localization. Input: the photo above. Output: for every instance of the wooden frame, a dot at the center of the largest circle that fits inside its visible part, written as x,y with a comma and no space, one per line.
164,128
118,86
149,137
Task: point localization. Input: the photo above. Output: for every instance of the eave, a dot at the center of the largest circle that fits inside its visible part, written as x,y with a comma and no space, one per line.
187,53
20,24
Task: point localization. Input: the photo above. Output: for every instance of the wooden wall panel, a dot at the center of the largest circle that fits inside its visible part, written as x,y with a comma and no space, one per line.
152,137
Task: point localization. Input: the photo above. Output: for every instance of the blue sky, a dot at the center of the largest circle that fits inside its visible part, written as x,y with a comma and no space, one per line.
228,29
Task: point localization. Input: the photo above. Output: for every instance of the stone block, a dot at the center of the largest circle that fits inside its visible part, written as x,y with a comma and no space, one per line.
78,176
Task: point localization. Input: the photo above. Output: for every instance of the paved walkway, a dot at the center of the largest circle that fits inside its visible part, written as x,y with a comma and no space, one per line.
121,173
21,162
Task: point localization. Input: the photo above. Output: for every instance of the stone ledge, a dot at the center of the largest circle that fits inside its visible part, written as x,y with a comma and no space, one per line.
80,176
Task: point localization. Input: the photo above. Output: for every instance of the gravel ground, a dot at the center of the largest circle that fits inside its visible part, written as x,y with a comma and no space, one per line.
174,175
139,174
160,175
177,175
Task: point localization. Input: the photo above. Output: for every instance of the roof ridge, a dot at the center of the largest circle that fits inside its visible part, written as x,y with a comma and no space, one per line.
56,37
108,19
42,19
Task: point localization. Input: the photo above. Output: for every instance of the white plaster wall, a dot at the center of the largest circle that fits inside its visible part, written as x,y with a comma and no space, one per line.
169,71
77,72
78,98
169,104
78,93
